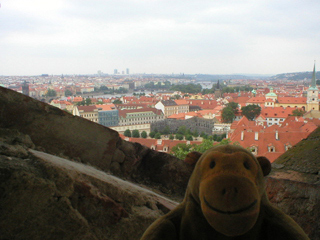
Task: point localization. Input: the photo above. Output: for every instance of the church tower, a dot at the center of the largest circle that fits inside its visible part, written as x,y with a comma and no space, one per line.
217,91
312,93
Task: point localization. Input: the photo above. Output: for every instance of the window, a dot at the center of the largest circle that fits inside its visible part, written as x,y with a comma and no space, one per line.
271,149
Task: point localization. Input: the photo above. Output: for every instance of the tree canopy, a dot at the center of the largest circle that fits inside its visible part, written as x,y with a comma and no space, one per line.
251,111
228,115
298,112
144,134
127,133
51,93
67,93
187,88
181,150
135,133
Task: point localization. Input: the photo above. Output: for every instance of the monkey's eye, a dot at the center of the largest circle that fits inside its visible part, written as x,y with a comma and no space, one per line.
246,165
212,164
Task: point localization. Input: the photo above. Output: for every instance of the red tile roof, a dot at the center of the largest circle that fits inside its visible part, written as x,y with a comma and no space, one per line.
159,145
292,100
90,108
290,133
276,112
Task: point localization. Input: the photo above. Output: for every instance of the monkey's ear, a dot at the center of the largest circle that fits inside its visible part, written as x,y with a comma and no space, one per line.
192,158
265,165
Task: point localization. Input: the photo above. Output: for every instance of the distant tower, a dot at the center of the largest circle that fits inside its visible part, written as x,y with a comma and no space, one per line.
127,71
115,71
25,88
312,93
217,91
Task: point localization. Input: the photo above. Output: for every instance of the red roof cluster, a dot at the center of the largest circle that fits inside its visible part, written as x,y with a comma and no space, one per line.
161,145
270,141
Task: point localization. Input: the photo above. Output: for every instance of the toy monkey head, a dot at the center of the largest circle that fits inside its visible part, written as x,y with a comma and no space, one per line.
228,184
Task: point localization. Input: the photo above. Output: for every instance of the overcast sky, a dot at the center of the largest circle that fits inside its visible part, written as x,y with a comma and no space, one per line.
158,36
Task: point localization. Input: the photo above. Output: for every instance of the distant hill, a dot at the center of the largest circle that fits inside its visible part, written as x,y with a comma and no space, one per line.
294,76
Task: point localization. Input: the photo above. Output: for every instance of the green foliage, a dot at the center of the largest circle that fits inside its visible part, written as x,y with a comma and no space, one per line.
127,133
121,90
117,101
67,93
166,130
171,137
233,106
51,93
251,111
224,141
135,133
88,101
157,136
203,135
298,112
144,134
195,133
103,88
228,115
158,85
182,130
181,150
152,134
179,136
228,89
189,137
187,88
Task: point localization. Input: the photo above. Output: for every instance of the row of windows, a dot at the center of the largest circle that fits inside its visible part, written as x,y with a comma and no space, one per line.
254,150
275,119
89,115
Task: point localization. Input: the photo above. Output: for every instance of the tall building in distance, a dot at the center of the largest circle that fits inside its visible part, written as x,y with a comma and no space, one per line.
25,88
127,71
115,71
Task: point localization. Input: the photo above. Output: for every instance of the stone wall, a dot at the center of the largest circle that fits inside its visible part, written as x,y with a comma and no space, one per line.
299,200
195,123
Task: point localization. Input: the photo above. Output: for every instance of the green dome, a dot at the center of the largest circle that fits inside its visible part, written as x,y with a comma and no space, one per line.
271,94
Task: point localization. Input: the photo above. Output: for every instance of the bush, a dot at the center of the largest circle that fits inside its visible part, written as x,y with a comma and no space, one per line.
135,133
127,133
144,134
157,136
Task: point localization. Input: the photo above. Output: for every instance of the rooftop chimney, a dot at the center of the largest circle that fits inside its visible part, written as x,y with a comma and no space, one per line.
242,135
277,135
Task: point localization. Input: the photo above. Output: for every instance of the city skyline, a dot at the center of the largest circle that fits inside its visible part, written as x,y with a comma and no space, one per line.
158,37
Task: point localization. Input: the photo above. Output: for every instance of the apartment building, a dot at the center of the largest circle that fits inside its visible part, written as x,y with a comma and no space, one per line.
139,116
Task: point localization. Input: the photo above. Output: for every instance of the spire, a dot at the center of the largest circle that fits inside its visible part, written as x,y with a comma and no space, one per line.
313,86
313,81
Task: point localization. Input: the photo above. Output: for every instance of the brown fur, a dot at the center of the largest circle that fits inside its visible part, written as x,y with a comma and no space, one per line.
226,199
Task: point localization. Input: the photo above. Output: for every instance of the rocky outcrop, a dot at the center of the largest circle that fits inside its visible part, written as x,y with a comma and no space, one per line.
57,132
47,197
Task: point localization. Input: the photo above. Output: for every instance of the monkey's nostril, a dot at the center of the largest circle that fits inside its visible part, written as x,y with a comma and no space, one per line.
224,191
